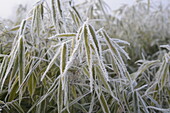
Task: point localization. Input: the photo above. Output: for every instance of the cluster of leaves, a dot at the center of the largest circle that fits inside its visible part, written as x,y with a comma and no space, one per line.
144,26
60,59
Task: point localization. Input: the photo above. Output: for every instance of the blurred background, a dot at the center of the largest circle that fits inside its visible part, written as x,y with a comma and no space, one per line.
9,7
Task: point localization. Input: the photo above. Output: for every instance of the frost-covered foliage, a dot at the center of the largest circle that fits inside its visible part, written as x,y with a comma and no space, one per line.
64,58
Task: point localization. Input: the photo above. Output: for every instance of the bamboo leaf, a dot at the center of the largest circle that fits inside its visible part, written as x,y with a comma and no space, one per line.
136,102
103,102
51,63
32,84
60,97
97,49
88,56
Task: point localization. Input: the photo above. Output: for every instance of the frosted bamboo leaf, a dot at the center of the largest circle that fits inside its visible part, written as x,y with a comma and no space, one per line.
63,62
97,49
103,102
88,56
51,63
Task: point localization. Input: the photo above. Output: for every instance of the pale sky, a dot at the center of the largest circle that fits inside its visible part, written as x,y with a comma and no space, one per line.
8,7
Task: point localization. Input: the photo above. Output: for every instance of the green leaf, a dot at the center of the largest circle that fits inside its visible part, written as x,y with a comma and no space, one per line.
51,63
136,102
88,56
32,84
103,102
13,91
